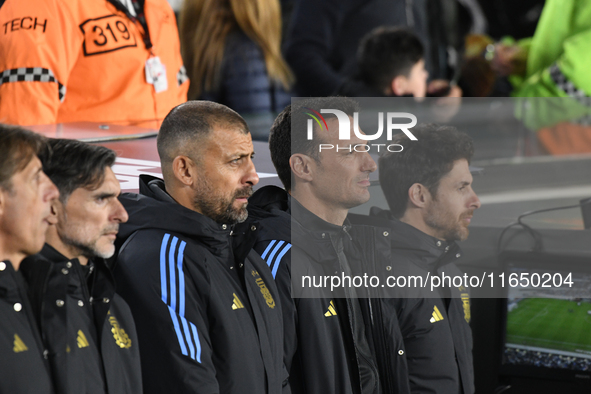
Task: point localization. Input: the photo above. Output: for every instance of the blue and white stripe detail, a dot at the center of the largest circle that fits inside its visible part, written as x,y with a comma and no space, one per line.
274,253
172,286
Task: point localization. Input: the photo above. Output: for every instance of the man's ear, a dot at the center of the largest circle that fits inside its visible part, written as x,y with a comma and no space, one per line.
185,170
418,195
399,85
55,207
302,167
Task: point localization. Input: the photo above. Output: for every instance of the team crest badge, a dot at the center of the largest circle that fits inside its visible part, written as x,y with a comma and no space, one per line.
266,293
121,337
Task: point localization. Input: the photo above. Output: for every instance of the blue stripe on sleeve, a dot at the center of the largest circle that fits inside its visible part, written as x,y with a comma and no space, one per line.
182,327
274,252
179,265
163,287
172,268
178,331
278,259
188,336
268,248
182,297
197,342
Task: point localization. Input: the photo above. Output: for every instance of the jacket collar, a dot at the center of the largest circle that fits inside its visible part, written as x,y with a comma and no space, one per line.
271,199
314,236
154,208
51,254
8,279
425,251
313,223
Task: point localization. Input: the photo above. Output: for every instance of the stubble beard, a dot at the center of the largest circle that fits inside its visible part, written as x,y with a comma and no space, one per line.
449,228
217,206
90,250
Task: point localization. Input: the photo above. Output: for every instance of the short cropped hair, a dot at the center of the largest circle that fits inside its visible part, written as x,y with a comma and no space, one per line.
289,132
386,53
424,161
72,164
17,147
187,124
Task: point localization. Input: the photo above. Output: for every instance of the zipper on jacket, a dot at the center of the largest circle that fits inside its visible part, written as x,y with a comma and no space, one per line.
375,388
372,364
347,232
380,331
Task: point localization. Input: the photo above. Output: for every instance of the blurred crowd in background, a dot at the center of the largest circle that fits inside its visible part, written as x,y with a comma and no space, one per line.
129,62
254,55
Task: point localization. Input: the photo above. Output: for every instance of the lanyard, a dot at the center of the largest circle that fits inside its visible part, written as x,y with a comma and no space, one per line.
138,6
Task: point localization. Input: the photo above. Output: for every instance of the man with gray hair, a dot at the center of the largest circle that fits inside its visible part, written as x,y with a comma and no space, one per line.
87,328
206,305
25,200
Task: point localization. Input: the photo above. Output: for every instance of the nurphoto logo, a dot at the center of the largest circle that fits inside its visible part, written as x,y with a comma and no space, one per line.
345,129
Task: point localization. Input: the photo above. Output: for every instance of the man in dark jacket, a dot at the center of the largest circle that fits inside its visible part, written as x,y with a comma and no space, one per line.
324,36
429,192
390,64
25,202
87,328
331,339
206,306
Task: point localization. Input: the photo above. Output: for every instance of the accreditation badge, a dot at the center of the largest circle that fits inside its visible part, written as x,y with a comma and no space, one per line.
156,74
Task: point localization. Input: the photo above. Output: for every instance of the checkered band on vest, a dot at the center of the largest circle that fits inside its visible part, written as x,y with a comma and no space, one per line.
567,86
32,74
564,84
181,76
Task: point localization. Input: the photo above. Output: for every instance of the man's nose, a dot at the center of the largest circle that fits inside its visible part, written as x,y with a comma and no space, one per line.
51,191
119,213
369,163
251,176
475,201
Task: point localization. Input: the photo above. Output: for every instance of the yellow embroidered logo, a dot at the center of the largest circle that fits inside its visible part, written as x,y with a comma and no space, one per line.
436,315
466,302
19,345
121,337
331,310
81,339
237,303
266,293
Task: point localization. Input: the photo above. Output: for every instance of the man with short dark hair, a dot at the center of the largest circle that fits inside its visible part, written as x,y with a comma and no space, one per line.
87,328
25,202
428,187
391,63
209,320
332,341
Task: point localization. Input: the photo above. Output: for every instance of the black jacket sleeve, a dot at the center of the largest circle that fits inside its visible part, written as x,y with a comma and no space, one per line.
280,265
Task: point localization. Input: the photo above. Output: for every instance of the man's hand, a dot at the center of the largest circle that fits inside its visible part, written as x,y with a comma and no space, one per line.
442,88
449,102
508,59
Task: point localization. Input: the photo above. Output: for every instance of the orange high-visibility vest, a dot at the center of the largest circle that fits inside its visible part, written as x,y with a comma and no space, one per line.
84,60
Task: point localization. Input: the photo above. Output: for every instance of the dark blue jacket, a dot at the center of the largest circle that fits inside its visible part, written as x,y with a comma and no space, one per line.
245,85
23,362
323,350
87,328
206,308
